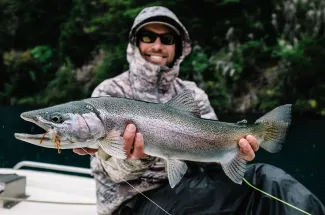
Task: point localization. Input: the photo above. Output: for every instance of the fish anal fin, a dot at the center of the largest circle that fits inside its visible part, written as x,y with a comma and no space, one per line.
176,169
112,144
235,168
185,102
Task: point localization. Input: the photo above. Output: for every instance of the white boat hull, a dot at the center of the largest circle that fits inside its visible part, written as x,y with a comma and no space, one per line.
54,187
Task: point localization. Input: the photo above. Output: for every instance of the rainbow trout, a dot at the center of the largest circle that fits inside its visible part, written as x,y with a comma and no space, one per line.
173,131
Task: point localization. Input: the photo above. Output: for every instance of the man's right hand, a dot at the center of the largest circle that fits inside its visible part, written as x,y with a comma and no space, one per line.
133,144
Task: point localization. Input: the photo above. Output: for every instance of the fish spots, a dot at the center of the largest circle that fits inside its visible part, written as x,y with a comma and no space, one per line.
89,107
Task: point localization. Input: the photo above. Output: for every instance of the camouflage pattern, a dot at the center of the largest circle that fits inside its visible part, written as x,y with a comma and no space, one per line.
148,82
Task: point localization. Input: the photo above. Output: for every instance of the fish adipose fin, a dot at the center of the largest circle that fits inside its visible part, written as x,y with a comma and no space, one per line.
275,126
235,168
185,102
175,170
112,144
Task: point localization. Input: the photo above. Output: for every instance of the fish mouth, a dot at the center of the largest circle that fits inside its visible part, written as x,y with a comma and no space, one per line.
45,140
51,139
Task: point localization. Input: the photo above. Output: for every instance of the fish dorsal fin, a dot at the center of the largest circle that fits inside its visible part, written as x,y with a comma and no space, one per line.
185,102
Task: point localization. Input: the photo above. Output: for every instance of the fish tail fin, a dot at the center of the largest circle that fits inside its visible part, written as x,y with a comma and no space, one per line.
274,127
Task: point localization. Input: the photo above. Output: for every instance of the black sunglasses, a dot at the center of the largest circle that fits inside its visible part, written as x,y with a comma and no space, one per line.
150,37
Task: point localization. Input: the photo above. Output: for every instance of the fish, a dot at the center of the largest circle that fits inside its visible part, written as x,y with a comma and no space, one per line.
173,131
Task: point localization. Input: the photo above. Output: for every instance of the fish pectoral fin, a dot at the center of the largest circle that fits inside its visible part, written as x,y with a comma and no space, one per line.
185,102
93,146
235,168
176,169
112,144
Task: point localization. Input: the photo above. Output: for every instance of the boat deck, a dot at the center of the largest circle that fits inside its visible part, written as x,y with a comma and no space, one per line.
54,187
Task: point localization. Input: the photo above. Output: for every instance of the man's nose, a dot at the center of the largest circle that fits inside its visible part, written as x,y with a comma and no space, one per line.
157,45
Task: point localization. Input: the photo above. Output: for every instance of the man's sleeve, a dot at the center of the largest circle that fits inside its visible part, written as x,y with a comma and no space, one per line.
104,89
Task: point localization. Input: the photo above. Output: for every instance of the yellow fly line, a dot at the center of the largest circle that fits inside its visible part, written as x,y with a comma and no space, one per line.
274,197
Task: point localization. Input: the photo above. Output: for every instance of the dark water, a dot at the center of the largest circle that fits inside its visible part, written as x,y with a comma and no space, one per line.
302,155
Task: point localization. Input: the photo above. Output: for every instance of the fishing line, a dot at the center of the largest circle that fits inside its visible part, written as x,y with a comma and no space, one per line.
147,197
275,197
243,180
136,189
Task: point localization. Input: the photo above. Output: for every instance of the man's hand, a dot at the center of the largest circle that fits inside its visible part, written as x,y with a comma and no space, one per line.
133,144
248,146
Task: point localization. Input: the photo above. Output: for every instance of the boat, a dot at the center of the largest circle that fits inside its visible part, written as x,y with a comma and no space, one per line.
36,188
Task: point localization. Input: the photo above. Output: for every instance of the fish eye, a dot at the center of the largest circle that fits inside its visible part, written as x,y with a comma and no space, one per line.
56,118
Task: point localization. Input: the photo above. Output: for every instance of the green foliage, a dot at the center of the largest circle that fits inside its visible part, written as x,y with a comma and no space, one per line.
113,63
53,93
65,79
42,53
247,55
25,75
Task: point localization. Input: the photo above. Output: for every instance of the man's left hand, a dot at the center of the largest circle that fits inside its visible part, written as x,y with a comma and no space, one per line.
248,146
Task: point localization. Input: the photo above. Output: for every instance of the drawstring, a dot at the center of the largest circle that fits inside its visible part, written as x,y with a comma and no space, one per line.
161,70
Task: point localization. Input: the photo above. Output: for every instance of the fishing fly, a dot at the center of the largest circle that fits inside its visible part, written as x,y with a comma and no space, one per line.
54,138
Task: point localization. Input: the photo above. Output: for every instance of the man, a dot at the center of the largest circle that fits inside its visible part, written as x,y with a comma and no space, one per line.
158,43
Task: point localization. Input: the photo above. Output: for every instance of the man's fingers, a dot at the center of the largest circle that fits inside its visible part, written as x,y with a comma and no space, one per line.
84,151
79,151
246,149
253,142
138,147
128,137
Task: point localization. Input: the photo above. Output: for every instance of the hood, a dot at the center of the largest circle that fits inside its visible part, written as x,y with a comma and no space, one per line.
156,76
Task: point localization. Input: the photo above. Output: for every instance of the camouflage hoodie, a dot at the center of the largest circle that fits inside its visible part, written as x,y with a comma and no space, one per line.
148,82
